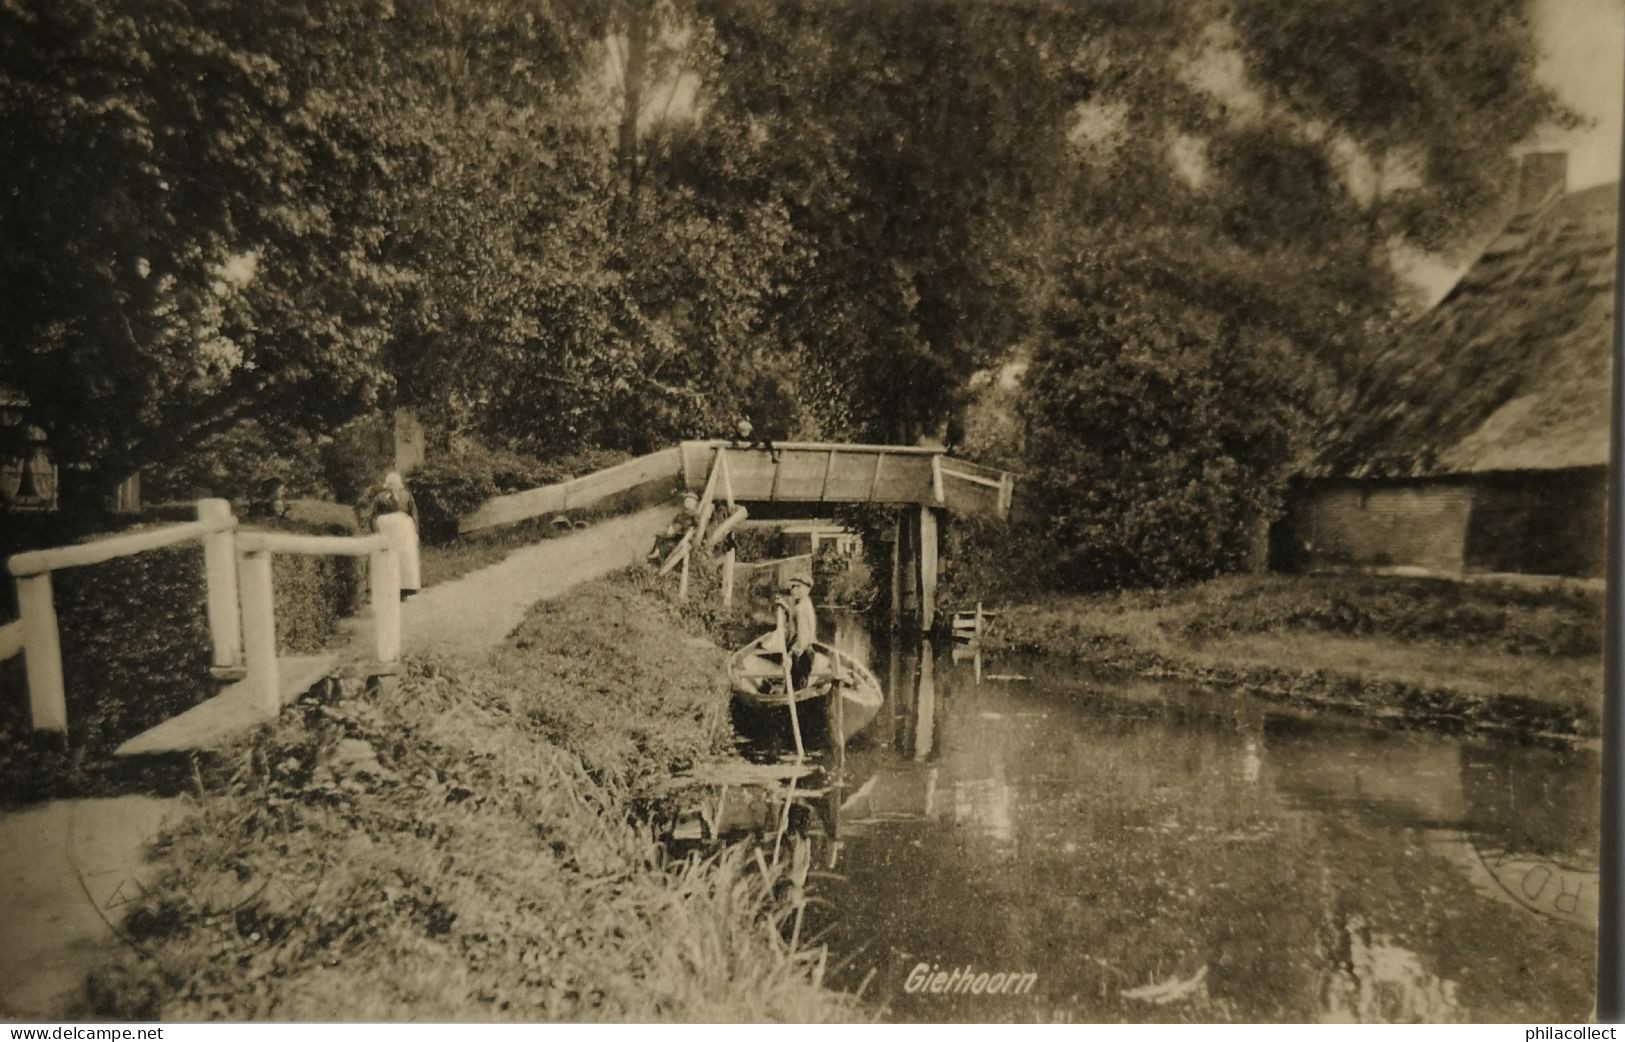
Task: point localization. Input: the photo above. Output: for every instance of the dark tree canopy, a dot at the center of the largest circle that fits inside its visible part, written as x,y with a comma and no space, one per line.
567,224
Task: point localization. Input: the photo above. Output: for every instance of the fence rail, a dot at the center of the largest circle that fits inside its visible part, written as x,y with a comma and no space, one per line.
240,601
311,545
34,562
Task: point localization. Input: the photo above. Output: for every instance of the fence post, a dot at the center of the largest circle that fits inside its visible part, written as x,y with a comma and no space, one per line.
42,651
220,572
384,573
259,630
902,569
728,579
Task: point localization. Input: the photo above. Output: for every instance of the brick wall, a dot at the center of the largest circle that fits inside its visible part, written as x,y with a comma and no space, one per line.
1541,523
1373,524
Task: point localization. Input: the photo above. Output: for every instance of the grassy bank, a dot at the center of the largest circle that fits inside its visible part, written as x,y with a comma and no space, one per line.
473,846
1514,660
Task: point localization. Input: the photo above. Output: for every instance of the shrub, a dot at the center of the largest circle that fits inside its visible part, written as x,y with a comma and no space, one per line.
1516,620
985,559
838,579
1161,426
446,491
234,464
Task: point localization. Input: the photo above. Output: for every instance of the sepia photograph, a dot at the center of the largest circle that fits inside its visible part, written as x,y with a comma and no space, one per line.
806,511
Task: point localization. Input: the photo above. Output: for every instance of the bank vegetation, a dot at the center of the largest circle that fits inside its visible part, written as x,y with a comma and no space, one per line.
480,844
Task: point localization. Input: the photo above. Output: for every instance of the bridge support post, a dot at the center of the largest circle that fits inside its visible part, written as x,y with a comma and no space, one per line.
728,579
927,550
896,602
908,543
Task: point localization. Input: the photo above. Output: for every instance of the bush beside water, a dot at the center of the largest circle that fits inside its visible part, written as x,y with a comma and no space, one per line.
1514,660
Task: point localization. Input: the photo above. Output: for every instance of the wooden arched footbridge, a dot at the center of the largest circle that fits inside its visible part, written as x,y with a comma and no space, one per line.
797,479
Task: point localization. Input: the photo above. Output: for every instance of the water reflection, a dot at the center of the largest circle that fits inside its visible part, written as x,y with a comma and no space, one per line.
1155,851
1370,979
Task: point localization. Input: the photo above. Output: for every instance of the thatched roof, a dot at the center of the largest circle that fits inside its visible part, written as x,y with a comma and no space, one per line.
1510,371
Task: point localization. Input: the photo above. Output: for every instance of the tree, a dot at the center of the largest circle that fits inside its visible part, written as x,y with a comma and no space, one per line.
1161,420
908,144
289,212
154,221
1229,262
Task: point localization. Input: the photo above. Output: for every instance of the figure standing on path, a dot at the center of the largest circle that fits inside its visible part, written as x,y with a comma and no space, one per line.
272,501
393,498
395,514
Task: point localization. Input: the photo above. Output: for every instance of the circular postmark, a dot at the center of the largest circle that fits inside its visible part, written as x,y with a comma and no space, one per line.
1537,883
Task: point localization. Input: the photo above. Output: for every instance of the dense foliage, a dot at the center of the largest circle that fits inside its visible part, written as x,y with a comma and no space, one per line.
1161,427
568,225
449,488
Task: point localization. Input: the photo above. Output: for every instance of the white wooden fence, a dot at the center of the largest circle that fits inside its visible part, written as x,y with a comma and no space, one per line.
240,601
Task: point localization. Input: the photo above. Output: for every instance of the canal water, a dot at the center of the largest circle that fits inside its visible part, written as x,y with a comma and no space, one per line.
1016,839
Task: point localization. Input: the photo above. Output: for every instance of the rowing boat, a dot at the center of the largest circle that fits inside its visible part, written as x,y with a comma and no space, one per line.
756,676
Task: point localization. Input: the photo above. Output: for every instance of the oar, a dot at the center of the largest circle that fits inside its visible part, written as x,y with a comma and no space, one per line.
838,693
790,695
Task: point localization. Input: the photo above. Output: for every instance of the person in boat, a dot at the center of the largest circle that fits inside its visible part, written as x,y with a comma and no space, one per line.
686,518
801,630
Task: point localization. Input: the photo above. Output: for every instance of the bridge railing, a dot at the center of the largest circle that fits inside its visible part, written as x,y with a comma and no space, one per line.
841,472
792,470
577,493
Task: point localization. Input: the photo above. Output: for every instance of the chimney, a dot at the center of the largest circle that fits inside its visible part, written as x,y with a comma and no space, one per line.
1542,176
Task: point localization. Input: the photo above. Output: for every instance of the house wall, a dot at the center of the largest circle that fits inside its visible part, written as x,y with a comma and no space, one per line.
1537,522
1421,524
1544,523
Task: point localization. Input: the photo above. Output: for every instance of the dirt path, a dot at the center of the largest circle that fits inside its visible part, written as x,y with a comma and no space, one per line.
68,870
475,612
